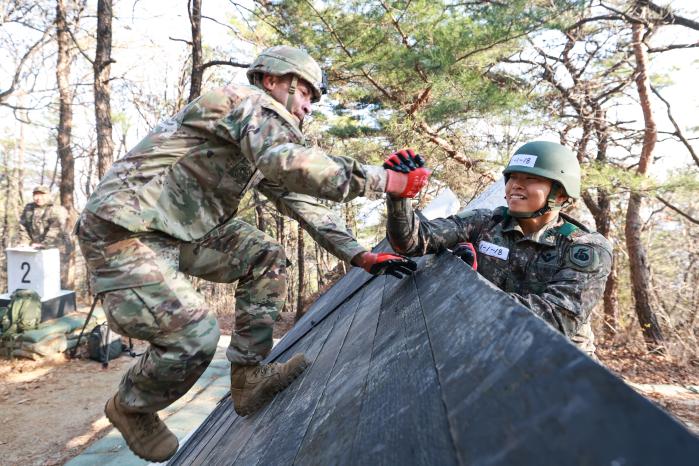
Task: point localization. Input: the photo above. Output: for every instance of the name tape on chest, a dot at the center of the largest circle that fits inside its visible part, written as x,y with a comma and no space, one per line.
490,249
524,160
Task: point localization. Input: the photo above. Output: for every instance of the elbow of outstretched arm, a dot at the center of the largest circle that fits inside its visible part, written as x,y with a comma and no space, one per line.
403,245
564,320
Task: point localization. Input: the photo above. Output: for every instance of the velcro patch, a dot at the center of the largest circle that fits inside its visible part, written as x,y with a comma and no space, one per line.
494,250
582,255
525,160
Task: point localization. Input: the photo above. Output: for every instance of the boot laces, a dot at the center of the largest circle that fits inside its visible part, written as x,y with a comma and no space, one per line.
265,370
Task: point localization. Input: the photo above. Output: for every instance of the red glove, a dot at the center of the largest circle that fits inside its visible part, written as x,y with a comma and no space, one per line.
467,253
385,263
407,184
404,161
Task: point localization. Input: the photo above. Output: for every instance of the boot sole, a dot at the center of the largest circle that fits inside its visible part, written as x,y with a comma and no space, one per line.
128,443
270,395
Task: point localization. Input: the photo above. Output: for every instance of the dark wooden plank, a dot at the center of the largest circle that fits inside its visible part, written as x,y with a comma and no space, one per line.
323,307
221,433
332,428
517,392
343,290
220,421
280,440
235,441
403,419
430,426
206,436
513,389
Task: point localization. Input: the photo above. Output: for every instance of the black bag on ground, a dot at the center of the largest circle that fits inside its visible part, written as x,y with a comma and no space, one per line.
103,344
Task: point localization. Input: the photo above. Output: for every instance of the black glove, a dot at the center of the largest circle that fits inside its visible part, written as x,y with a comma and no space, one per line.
386,263
404,161
467,253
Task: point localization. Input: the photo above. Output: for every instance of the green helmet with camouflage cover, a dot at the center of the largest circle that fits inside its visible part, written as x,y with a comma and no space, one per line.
547,160
281,60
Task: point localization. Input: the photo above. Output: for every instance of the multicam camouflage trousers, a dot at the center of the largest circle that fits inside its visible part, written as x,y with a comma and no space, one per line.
147,296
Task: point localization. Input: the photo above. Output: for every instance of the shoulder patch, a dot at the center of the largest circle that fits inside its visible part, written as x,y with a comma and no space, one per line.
567,229
582,255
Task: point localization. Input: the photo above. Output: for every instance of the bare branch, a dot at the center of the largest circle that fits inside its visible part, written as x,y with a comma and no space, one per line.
678,210
672,47
221,24
181,40
668,16
678,131
77,46
18,71
224,62
592,19
489,46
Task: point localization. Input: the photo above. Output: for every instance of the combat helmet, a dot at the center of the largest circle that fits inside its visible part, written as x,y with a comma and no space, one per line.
547,160
283,59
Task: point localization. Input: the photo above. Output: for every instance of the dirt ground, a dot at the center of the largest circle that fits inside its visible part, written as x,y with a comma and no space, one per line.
63,399
59,399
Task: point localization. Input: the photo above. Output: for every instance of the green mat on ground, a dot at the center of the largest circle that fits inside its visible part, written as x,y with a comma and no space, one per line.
61,326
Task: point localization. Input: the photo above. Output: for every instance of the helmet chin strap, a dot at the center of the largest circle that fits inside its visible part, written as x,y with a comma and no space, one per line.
550,206
292,91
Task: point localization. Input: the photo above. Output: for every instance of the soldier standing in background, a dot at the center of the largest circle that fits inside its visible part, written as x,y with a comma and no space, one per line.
544,259
169,208
42,223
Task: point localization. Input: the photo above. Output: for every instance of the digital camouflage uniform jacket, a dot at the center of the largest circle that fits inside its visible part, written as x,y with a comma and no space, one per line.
559,272
190,173
44,225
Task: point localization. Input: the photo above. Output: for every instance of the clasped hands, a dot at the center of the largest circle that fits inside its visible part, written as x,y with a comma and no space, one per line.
406,176
406,173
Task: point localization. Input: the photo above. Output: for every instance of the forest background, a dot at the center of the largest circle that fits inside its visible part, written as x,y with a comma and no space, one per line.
463,82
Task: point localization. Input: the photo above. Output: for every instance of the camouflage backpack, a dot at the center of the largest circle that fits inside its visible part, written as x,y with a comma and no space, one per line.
22,314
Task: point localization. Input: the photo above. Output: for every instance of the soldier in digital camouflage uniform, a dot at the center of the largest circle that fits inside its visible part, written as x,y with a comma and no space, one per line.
168,208
42,222
541,257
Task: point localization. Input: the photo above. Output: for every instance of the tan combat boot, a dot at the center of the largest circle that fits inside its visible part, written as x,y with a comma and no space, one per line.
145,434
253,386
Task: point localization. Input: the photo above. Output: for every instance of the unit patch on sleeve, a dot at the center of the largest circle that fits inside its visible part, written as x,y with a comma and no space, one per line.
582,255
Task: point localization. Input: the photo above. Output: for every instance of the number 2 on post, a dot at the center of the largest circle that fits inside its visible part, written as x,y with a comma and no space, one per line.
28,267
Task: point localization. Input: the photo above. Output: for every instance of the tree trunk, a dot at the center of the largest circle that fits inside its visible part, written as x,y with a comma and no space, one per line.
197,69
102,67
20,165
65,113
604,227
63,137
638,262
611,301
302,274
6,232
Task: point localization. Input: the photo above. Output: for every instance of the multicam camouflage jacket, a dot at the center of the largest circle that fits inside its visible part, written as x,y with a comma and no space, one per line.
559,272
44,225
189,174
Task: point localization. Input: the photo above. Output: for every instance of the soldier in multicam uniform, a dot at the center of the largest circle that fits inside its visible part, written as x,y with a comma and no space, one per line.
540,256
168,208
43,222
